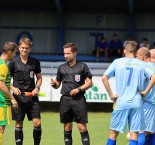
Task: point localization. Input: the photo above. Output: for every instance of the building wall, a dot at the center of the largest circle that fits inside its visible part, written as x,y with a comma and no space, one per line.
81,28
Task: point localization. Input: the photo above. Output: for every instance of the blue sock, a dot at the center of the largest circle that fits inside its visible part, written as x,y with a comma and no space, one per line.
111,142
141,139
133,142
151,139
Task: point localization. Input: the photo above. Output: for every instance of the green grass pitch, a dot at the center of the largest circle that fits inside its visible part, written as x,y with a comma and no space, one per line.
52,130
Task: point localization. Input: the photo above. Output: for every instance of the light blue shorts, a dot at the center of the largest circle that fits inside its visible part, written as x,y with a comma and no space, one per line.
134,117
149,117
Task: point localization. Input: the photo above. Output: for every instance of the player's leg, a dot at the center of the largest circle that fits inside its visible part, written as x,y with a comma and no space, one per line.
37,131
68,133
80,110
2,128
66,117
118,124
133,138
141,138
5,119
84,133
136,123
149,115
151,139
18,114
19,132
33,113
112,137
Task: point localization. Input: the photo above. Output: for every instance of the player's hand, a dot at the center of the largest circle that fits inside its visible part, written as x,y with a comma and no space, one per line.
143,94
14,103
16,91
74,92
35,92
53,83
114,97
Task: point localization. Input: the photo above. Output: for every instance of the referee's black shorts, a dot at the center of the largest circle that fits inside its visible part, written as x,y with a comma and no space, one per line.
26,105
73,109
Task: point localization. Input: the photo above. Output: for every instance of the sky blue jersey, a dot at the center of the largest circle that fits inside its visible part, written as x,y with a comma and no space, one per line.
151,95
130,75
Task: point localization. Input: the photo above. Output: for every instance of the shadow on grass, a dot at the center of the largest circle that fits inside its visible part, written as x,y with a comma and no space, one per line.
92,107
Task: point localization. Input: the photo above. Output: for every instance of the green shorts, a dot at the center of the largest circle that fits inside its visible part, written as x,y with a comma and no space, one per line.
5,116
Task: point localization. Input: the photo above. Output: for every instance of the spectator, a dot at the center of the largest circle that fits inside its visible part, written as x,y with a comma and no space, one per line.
153,46
145,43
115,47
102,47
127,39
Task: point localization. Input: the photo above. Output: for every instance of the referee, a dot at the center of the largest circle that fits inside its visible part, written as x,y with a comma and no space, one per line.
76,78
23,70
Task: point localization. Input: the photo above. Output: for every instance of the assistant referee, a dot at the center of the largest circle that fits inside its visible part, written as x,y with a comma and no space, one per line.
76,78
23,71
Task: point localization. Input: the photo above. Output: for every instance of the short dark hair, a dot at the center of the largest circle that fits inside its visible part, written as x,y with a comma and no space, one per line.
72,46
115,35
26,41
9,46
145,39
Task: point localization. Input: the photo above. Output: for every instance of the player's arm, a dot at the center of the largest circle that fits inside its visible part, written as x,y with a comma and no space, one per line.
150,85
87,85
108,88
107,85
11,67
57,82
7,93
38,84
15,90
88,79
39,80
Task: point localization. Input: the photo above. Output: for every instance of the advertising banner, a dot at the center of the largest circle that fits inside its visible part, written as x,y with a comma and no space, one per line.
96,93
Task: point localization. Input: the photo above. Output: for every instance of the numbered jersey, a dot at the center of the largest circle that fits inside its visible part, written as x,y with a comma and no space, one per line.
130,75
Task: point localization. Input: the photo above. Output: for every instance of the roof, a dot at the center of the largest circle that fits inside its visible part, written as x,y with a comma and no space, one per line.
79,6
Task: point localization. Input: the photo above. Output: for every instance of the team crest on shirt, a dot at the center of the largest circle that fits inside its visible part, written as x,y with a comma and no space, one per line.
31,74
77,78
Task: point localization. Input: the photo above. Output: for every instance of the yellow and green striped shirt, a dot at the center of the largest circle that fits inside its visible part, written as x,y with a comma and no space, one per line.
4,76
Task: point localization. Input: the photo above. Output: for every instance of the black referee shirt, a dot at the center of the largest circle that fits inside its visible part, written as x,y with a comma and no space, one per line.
72,77
23,74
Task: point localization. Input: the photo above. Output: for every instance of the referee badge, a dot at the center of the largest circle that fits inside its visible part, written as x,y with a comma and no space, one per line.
31,74
77,78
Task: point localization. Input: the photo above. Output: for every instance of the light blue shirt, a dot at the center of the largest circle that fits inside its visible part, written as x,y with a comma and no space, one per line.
151,95
130,75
